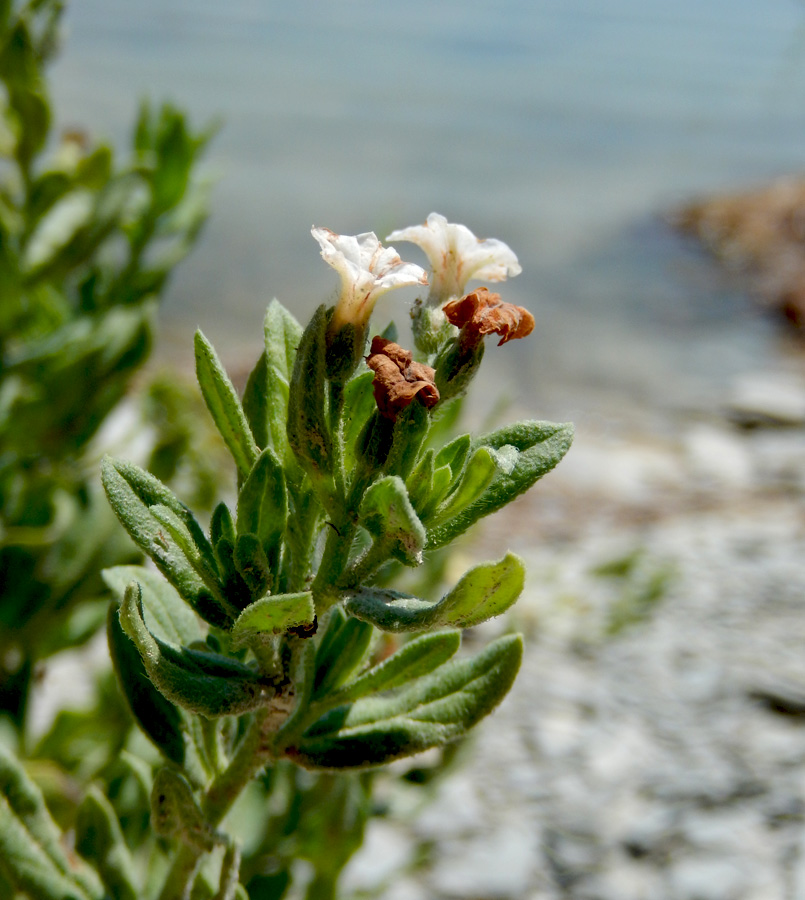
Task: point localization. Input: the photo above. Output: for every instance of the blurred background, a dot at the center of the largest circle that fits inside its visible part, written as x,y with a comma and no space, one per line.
566,128
653,747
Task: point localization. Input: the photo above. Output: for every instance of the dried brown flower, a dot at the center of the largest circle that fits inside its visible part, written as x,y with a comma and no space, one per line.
398,379
481,312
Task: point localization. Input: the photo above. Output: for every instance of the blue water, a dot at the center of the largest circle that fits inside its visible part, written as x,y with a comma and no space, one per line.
564,127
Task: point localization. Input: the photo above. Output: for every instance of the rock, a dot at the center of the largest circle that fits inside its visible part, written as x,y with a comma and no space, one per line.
500,864
719,457
766,398
708,879
385,852
760,233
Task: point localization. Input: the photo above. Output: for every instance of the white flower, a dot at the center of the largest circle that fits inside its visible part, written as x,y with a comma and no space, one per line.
456,255
367,270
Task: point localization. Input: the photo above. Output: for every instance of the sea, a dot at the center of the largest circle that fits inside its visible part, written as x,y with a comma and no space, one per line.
571,129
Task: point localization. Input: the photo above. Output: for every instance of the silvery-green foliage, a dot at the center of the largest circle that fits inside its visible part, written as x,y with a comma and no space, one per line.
272,615
87,245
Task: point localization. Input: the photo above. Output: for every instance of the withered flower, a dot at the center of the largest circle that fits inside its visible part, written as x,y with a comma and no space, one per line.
481,312
398,379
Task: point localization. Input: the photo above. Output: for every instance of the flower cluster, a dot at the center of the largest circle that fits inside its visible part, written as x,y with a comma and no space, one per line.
368,270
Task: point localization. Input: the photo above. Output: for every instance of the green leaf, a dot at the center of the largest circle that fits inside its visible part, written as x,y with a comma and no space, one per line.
308,430
433,711
359,404
387,514
224,406
159,719
175,813
168,615
485,591
263,505
455,454
416,658
99,839
31,854
252,565
205,683
342,649
273,615
221,525
419,483
524,453
283,334
478,475
133,494
255,402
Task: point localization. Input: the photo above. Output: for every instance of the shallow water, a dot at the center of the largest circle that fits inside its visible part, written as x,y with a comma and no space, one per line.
565,127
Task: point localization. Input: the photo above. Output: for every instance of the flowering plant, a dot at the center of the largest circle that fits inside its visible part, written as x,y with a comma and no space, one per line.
255,648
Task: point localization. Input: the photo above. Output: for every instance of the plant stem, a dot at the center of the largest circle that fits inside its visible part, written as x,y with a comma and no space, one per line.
251,756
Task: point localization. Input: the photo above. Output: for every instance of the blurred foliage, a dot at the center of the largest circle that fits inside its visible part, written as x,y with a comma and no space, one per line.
87,245
639,586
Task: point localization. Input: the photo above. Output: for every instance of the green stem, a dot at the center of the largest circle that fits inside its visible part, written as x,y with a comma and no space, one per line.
322,886
252,754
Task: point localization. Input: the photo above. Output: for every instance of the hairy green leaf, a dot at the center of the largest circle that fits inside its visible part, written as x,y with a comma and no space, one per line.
342,649
224,406
252,564
99,839
205,683
159,719
485,591
263,505
273,615
283,335
431,712
413,660
31,854
524,452
308,429
132,494
175,813
387,514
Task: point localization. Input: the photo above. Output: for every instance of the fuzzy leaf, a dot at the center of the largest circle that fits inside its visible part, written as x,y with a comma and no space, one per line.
252,564
308,431
341,651
221,525
478,474
283,335
386,513
99,839
433,711
159,719
483,592
31,855
359,404
224,406
524,452
205,683
263,505
132,493
175,813
413,660
273,615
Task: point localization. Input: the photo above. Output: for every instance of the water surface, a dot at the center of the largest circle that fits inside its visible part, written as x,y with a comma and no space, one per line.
565,127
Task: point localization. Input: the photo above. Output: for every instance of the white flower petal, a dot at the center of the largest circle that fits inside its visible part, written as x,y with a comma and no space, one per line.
456,255
367,270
